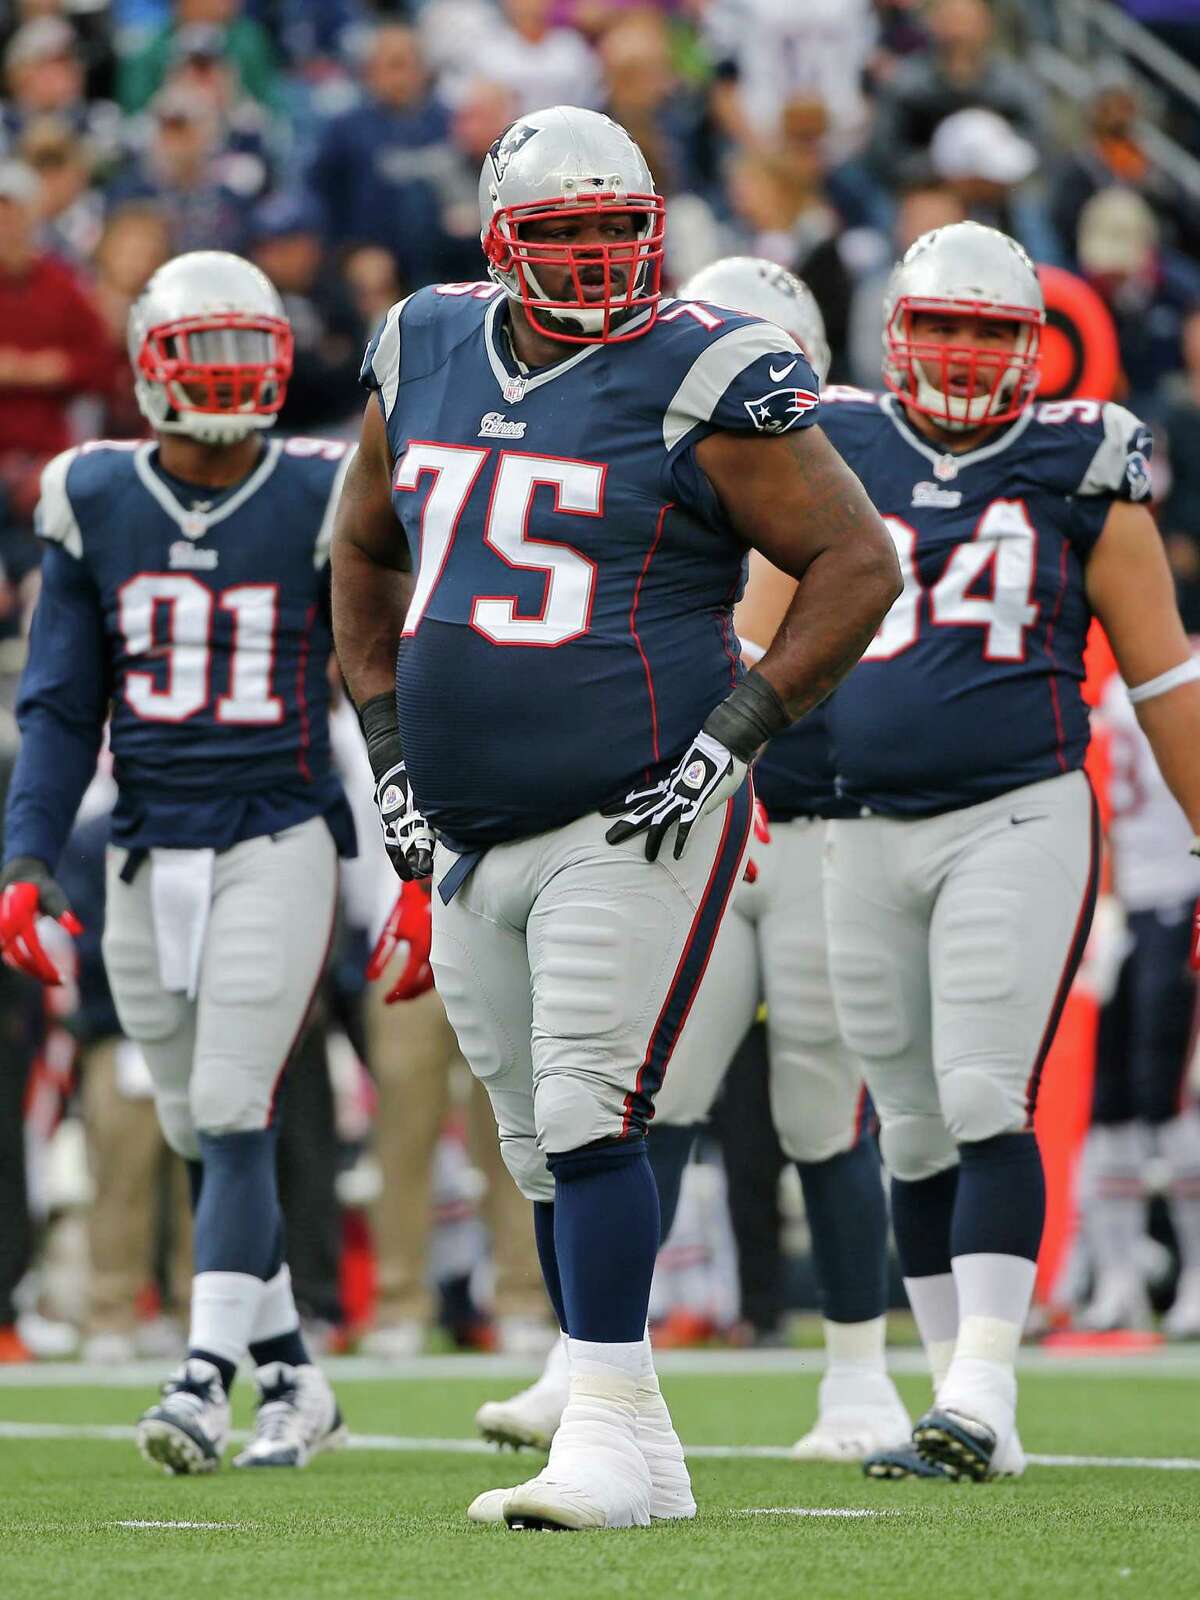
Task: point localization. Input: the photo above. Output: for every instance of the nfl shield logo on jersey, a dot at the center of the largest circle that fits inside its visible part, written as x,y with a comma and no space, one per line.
780,410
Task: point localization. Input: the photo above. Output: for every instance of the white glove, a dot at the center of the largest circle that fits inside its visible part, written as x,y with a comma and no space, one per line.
407,836
707,775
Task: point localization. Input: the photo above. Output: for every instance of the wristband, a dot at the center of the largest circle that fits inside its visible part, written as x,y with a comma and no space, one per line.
746,719
377,719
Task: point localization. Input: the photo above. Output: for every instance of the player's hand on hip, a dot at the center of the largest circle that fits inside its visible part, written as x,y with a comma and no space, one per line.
410,923
407,836
706,776
27,892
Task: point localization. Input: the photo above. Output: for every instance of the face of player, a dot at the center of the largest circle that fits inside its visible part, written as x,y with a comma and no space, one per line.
964,377
583,234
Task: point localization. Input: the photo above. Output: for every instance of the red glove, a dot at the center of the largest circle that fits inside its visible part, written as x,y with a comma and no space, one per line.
762,832
29,892
410,923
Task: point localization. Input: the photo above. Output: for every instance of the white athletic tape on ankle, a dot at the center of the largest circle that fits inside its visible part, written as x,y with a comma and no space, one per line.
988,1339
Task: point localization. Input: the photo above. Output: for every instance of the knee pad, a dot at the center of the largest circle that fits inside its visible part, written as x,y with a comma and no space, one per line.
569,1113
175,1120
223,1099
978,1104
527,1166
916,1147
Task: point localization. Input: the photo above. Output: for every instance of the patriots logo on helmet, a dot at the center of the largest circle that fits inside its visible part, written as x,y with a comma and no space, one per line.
507,145
780,410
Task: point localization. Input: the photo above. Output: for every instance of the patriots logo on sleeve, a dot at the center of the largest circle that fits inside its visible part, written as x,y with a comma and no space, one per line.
780,410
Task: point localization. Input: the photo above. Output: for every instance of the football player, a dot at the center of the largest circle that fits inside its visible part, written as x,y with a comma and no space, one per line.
772,948
577,467
1142,1102
184,599
959,894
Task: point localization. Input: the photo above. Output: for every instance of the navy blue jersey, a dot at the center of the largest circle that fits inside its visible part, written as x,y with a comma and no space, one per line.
972,685
796,775
571,623
199,628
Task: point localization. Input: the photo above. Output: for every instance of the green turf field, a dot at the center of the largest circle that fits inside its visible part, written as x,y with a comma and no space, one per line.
82,1516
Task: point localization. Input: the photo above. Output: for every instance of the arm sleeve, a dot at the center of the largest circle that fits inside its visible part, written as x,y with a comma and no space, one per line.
753,379
381,364
1118,470
61,709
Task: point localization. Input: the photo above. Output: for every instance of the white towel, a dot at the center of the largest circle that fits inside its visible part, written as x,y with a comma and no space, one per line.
181,884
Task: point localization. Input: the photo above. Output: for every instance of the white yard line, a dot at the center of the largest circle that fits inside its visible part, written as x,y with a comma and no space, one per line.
1169,1362
400,1444
812,1511
141,1524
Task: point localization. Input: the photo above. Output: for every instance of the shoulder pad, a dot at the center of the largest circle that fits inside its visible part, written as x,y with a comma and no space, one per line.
381,361
54,518
709,375
1120,466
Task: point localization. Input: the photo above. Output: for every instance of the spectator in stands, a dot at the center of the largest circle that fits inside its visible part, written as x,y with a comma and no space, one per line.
768,52
201,65
44,75
136,241
245,41
1180,520
539,64
1149,290
70,211
374,287
923,207
988,165
1112,153
53,345
385,171
180,170
482,111
286,242
962,70
642,92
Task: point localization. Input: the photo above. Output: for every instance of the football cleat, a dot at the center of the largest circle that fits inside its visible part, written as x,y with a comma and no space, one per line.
859,1414
297,1418
186,1432
906,1462
1120,1302
963,1445
596,1476
531,1418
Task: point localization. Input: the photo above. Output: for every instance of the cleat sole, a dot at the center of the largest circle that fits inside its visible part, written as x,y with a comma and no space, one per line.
953,1450
170,1447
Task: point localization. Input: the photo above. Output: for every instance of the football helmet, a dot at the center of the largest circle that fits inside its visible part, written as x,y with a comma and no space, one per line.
763,289
964,270
211,348
567,162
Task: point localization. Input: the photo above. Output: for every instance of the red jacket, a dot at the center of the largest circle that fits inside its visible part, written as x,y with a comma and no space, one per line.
47,308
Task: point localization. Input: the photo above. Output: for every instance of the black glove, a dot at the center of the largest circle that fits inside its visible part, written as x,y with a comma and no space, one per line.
407,836
707,775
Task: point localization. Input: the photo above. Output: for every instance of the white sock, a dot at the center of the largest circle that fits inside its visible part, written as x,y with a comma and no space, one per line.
1179,1142
277,1312
224,1312
1116,1218
994,1292
993,1285
856,1344
934,1302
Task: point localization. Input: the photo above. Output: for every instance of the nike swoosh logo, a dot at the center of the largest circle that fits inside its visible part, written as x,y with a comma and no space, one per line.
782,373
1039,816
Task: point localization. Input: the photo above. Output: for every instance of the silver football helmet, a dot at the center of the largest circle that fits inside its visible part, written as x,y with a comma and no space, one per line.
760,287
211,348
963,270
567,164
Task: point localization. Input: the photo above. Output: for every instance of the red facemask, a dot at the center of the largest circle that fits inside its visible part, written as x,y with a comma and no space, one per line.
220,363
1000,383
634,263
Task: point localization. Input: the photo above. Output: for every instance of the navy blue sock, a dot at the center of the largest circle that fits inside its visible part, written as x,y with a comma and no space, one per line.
605,1238
847,1218
543,1235
921,1216
1001,1204
226,1368
195,1177
668,1149
238,1223
289,1347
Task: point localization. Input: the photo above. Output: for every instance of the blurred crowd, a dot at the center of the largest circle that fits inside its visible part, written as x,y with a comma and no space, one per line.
338,144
